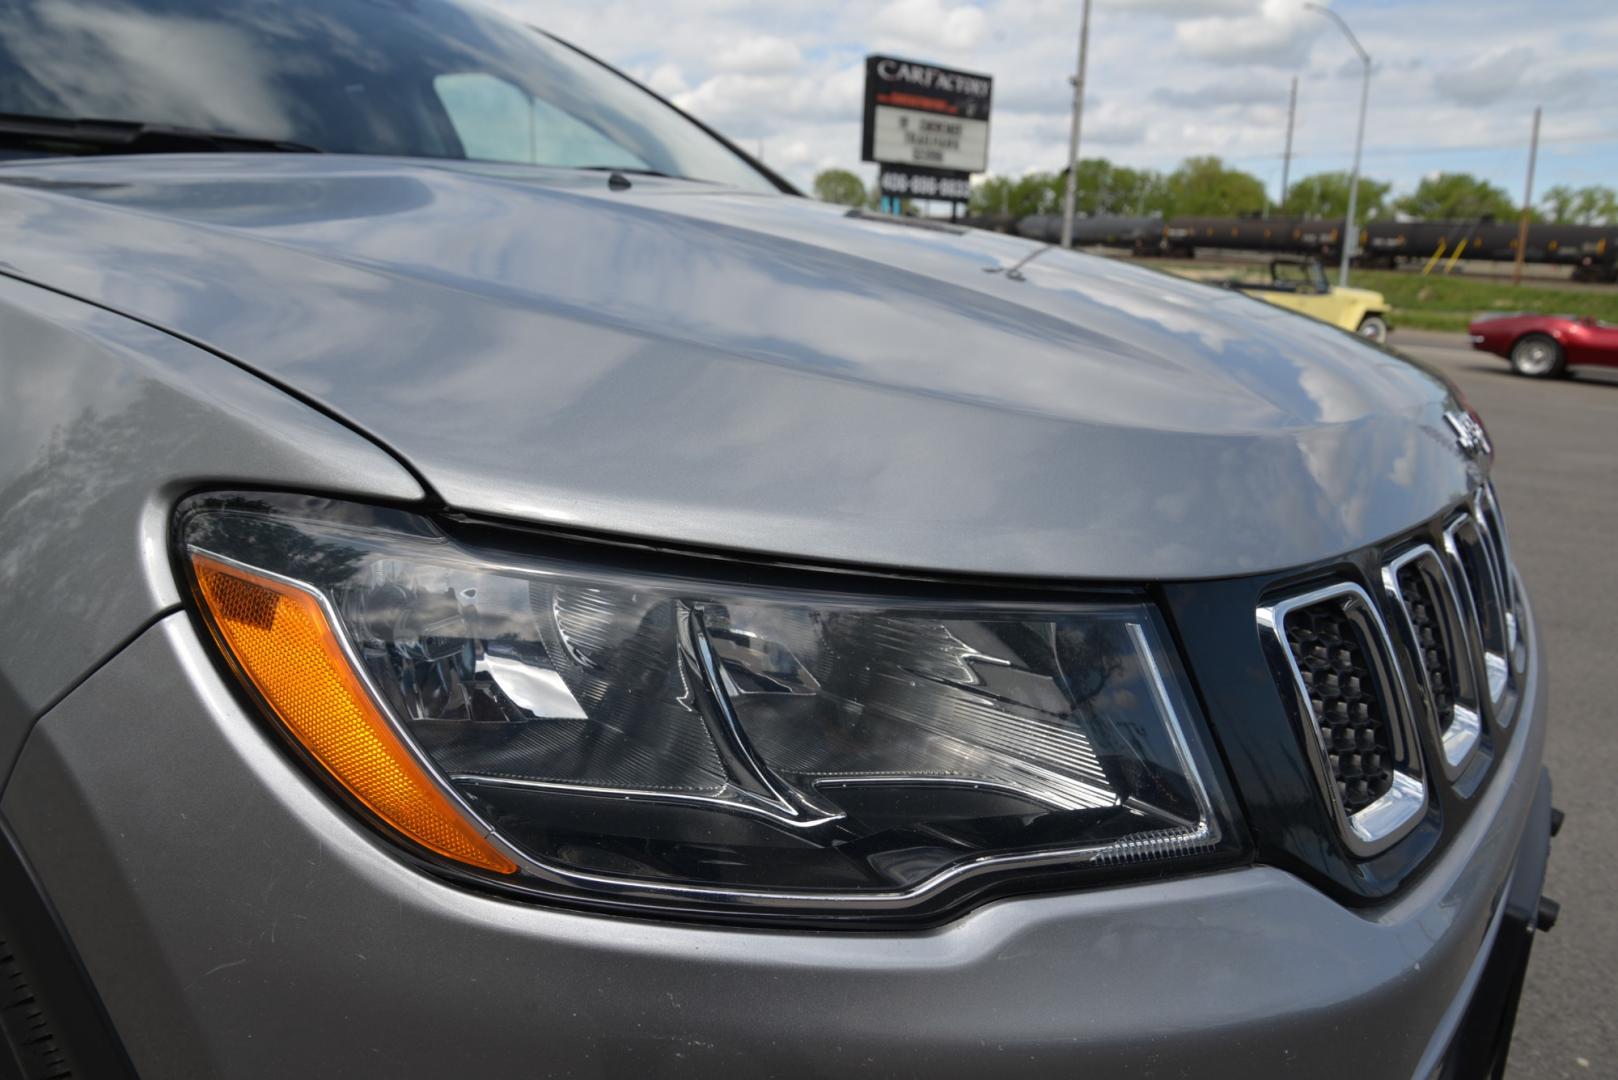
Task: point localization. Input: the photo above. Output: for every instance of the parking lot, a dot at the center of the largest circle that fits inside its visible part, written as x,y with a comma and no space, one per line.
1557,470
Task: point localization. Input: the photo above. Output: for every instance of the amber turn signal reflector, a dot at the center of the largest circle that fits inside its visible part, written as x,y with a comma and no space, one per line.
283,643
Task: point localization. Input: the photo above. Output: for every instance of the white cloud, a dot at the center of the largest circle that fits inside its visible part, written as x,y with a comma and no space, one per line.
1485,79
752,104
1249,90
797,152
1114,125
932,22
1182,8
1279,33
759,52
666,79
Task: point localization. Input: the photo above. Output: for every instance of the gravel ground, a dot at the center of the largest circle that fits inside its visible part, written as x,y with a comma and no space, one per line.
1557,471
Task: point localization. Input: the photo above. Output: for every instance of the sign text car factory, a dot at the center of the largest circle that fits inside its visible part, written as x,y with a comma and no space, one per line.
928,127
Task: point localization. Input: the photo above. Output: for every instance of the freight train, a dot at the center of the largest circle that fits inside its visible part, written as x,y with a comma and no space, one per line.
1591,250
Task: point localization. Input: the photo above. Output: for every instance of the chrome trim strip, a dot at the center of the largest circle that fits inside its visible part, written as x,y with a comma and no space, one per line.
1403,801
1499,676
1492,661
1383,823
1488,505
1461,735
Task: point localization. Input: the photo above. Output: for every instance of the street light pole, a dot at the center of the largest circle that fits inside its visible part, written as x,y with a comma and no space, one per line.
1073,132
1286,158
1527,204
1351,231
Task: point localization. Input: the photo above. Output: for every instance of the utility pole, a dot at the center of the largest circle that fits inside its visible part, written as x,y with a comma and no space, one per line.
1527,203
1286,158
1351,229
1073,132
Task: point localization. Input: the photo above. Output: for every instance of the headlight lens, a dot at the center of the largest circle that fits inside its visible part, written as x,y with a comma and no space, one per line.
629,733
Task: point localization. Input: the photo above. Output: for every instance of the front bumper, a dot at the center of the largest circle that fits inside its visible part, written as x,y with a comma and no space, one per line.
238,924
1481,1040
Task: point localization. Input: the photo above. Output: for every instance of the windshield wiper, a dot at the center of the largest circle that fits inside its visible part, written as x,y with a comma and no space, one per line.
54,135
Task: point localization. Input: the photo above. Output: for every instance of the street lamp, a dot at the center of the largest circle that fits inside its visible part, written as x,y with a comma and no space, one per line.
1351,230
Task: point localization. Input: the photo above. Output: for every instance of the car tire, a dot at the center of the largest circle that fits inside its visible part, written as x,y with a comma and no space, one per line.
1375,328
1538,356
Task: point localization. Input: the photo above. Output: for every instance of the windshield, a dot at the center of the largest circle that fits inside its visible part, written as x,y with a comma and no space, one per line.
416,78
1301,276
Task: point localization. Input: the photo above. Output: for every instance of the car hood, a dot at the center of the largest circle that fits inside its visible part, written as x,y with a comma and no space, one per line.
760,373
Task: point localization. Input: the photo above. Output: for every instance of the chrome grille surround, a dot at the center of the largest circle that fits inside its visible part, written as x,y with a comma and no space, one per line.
1377,826
1447,677
1487,509
1419,586
1473,561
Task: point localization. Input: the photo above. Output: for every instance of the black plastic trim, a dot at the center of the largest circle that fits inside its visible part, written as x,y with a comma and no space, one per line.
1482,1041
52,1022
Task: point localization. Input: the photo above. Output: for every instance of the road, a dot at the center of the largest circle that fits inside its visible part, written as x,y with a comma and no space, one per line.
1556,466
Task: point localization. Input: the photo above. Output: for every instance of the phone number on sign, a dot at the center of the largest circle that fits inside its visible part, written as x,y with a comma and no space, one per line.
926,187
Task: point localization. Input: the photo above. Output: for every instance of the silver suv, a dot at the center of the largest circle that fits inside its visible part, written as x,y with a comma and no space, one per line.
496,585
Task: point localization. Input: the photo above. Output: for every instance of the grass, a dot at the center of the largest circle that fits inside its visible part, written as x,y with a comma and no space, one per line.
1449,303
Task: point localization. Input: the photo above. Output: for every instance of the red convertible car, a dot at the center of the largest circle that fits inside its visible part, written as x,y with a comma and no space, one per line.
1545,346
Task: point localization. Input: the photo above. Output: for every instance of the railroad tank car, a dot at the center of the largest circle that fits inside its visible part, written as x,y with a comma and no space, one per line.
1183,235
1590,250
1142,235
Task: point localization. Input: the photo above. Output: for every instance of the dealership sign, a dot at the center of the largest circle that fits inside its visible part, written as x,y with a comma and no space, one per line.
928,127
906,183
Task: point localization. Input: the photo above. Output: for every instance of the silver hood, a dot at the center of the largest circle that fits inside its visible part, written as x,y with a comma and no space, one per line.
759,373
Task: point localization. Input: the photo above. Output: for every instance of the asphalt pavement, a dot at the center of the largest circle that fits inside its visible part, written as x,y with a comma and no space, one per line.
1556,468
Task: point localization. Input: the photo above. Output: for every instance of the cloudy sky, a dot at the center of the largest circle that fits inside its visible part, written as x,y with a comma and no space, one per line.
1454,87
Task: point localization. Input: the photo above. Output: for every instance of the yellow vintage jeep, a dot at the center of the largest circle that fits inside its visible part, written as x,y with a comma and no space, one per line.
1300,284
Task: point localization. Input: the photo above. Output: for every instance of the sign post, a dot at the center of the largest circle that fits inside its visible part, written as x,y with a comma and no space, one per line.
927,126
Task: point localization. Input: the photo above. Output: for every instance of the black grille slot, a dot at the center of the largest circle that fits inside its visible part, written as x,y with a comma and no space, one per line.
1432,645
1333,661
1494,528
1478,572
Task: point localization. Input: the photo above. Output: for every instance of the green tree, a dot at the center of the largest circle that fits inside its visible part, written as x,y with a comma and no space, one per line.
1596,205
839,186
1325,195
1203,186
1558,203
1101,188
1020,196
1105,189
1138,192
1457,196
1593,205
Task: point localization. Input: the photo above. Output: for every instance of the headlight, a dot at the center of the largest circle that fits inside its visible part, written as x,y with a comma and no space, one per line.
610,728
